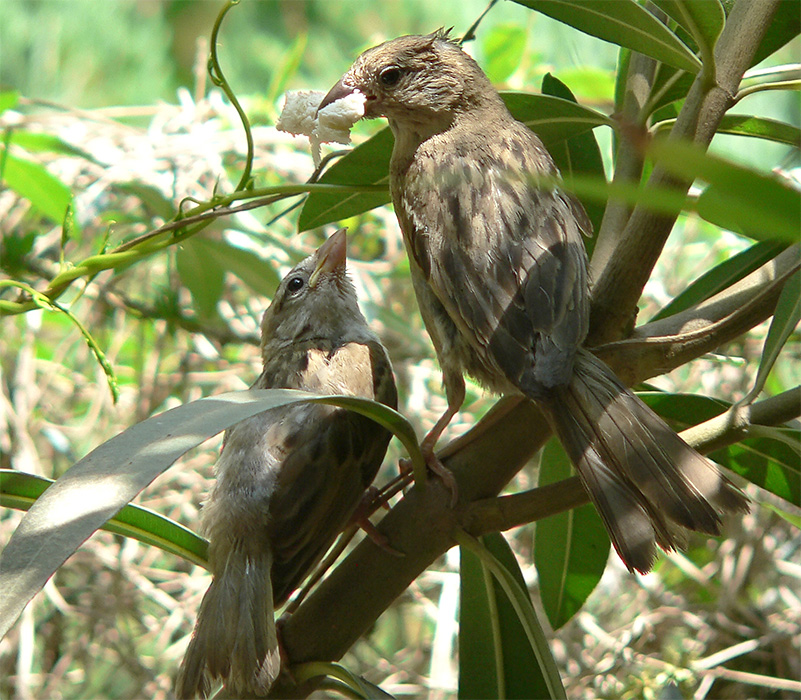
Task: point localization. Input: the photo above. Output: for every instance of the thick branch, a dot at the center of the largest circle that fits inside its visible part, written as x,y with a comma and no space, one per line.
483,460
506,512
620,282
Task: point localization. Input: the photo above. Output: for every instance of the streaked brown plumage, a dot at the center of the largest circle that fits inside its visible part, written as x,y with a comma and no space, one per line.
289,479
500,273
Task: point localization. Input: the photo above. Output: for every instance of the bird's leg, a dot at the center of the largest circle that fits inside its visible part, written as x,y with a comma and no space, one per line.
370,502
455,392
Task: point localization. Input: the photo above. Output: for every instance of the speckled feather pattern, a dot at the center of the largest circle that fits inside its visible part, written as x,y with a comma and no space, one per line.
289,479
499,269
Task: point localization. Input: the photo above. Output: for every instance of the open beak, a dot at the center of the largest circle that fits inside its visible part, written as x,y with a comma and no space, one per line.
331,256
337,92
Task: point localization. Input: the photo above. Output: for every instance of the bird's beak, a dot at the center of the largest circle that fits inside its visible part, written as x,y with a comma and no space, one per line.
331,256
337,92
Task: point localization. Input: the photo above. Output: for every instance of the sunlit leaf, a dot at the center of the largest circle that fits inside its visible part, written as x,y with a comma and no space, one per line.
747,125
503,48
738,198
621,22
49,143
8,99
41,188
703,19
367,164
20,491
94,489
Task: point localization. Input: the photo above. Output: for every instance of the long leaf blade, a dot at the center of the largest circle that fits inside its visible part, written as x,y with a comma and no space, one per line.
621,22
94,489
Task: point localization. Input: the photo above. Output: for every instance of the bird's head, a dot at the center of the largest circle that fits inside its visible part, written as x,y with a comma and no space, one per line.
315,300
415,80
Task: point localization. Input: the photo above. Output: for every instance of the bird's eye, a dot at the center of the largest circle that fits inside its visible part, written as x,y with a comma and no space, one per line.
294,285
389,77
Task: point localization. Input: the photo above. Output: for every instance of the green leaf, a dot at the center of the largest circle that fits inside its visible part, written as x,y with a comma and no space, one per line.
553,119
20,490
738,198
8,100
48,143
495,658
786,318
571,549
621,22
42,189
251,268
703,20
201,272
350,684
723,276
367,164
496,558
94,489
578,154
747,125
503,48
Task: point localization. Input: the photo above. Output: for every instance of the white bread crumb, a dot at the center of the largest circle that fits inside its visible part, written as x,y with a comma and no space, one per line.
330,124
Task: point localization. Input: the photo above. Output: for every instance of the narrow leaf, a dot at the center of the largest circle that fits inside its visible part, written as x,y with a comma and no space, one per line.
723,276
42,189
621,22
20,491
571,549
521,602
703,20
783,28
94,489
738,198
201,272
495,657
367,164
49,143
786,318
747,125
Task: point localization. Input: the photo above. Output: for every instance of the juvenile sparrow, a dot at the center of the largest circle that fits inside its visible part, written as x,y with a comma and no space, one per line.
289,479
500,274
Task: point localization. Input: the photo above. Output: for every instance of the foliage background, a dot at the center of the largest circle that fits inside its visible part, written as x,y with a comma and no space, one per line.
122,82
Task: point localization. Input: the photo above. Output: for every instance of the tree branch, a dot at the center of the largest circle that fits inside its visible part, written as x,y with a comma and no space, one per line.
505,512
421,525
621,280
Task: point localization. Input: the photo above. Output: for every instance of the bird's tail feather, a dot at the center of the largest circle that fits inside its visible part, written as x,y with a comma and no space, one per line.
234,638
643,478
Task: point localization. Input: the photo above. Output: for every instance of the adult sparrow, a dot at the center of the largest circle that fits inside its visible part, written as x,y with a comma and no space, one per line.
500,273
289,479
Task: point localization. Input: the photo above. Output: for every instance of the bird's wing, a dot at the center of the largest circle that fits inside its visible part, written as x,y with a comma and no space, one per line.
503,255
